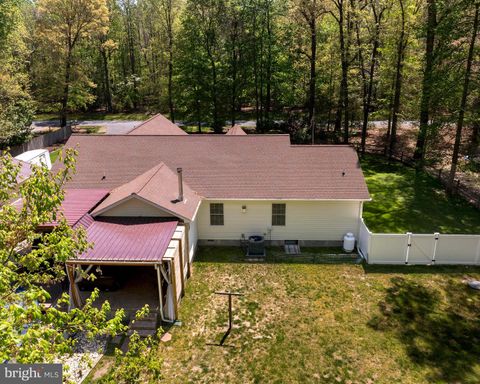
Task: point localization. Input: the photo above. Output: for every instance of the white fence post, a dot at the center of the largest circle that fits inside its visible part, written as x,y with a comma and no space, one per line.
477,256
436,234
409,245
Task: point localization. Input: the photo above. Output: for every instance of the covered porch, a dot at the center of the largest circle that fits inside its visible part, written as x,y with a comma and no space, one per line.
135,261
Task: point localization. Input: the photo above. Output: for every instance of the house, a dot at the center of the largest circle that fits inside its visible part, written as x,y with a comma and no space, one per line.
36,157
157,125
236,130
167,194
25,170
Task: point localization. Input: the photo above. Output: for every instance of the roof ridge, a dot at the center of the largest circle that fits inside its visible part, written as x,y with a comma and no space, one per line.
198,135
144,122
158,166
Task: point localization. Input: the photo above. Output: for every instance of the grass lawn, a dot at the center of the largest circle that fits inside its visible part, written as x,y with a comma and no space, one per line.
55,154
323,323
405,200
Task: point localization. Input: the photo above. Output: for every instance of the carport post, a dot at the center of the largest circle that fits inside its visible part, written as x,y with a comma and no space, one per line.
159,283
74,295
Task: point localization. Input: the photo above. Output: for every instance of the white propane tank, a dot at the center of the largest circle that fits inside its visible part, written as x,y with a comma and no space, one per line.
349,242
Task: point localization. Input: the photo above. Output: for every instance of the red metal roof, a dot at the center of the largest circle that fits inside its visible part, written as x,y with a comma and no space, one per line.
117,239
78,202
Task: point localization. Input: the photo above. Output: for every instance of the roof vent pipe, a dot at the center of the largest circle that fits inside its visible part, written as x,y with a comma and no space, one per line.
180,184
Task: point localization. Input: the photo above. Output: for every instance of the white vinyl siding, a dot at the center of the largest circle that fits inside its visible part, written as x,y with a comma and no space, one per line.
135,208
305,220
193,238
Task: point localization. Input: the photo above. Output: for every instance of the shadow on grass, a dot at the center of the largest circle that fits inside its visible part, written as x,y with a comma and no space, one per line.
441,331
420,269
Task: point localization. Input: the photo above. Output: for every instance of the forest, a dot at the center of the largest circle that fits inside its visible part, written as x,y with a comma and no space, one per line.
323,71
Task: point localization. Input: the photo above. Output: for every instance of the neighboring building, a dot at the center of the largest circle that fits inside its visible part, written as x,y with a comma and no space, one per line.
25,170
169,193
157,125
236,130
36,157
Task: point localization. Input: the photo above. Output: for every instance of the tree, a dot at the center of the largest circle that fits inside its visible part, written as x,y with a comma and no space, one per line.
377,9
400,57
340,14
16,105
427,82
169,18
31,260
311,11
463,102
64,24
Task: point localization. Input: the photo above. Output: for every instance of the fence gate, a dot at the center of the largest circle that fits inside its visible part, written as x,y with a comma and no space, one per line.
422,249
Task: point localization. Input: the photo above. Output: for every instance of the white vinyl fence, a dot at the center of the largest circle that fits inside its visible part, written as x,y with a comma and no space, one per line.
412,248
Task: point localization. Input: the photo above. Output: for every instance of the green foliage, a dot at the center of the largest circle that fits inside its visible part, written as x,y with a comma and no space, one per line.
16,105
33,260
140,364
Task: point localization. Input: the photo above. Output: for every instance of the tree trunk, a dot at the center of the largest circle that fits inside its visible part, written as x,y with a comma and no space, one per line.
463,103
363,73
169,21
268,80
255,74
313,61
368,101
342,107
401,46
344,81
107,88
419,154
66,88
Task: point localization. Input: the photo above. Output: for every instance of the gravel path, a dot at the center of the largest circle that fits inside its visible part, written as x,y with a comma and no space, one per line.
86,355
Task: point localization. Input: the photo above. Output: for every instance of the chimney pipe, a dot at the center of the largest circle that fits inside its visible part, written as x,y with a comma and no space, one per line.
180,184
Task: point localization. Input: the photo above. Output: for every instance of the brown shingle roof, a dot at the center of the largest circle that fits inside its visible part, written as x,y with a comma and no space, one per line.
158,125
159,186
236,130
224,166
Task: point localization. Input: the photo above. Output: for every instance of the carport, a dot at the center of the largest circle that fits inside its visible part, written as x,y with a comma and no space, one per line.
134,244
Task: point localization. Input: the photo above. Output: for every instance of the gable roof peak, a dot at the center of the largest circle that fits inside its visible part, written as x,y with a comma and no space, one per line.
158,186
236,130
157,125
